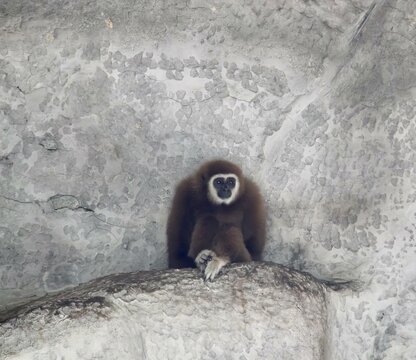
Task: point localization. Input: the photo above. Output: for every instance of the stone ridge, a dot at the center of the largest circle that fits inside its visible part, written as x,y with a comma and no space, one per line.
95,292
253,310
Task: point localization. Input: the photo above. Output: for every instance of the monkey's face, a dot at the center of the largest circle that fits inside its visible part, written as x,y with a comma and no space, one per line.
223,188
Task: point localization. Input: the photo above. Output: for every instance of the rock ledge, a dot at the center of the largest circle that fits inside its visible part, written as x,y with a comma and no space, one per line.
252,311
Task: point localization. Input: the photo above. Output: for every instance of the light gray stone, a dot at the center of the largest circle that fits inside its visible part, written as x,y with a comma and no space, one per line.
251,311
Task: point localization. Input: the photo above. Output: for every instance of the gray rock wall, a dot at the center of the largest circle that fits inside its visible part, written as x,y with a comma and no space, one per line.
104,106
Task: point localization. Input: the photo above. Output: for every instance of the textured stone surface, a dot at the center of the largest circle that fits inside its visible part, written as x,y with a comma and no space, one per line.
104,106
253,311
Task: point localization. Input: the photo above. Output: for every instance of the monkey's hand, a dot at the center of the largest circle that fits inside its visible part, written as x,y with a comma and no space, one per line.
203,258
209,263
215,266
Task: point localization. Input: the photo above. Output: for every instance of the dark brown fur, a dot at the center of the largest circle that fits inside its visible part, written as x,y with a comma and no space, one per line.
236,231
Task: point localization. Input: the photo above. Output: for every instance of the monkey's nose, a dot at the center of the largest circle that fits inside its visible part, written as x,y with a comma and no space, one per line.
224,194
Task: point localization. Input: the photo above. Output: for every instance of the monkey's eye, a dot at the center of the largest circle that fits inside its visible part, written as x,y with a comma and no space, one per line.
218,181
231,181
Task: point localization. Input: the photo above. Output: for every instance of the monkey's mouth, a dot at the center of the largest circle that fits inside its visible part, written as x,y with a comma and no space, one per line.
224,194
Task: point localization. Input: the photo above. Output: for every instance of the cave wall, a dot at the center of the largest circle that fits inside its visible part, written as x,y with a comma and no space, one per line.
104,106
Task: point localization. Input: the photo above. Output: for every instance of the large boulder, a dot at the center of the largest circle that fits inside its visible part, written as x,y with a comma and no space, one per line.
252,311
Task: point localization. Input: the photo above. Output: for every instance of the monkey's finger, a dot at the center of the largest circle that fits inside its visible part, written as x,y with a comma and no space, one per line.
206,259
208,276
212,269
205,255
213,274
207,273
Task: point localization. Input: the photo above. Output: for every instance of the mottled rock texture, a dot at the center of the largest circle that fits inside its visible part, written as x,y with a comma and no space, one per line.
254,311
105,105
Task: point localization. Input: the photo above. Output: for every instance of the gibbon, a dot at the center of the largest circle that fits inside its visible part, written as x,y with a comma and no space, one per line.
217,217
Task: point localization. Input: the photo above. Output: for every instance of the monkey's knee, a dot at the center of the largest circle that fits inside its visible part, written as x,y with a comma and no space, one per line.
204,231
206,227
231,235
230,242
232,232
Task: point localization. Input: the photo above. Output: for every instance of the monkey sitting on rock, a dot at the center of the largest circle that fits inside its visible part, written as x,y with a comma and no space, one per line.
217,217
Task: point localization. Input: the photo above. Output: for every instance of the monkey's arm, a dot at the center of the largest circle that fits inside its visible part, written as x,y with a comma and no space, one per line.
179,228
254,223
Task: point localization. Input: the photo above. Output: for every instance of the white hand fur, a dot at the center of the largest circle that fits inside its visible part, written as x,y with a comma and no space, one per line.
210,264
